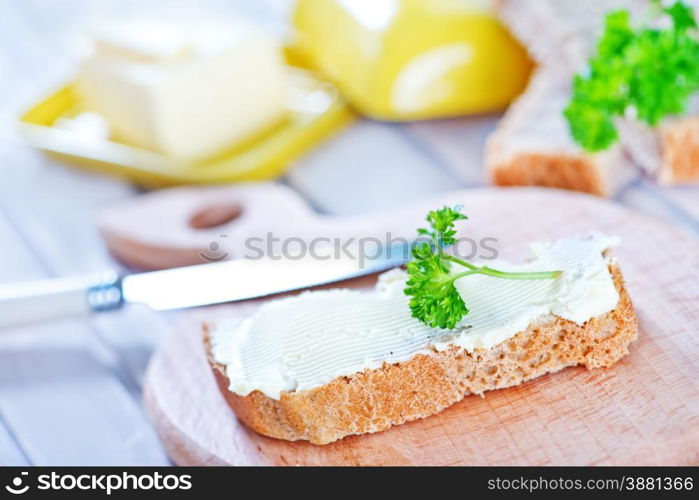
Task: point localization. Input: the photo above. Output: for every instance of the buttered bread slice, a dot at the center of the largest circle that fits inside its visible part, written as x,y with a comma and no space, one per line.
326,364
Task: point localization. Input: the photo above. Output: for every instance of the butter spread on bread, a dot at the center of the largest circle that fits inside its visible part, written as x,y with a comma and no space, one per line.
305,341
324,365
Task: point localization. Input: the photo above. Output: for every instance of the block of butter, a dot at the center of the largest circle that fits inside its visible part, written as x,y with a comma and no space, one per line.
187,91
412,59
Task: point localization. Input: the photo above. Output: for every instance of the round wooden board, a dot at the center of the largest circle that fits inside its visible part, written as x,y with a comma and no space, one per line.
644,410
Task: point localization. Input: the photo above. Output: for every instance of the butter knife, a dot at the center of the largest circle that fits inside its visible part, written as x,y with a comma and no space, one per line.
184,287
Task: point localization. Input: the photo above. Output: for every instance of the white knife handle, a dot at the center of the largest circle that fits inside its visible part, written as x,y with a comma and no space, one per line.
29,302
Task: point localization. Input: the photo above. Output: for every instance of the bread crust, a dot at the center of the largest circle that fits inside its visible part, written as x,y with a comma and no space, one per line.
374,400
565,171
680,151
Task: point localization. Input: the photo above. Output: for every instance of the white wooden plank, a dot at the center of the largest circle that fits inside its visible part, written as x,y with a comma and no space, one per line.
54,208
55,213
66,21
64,407
369,167
20,39
10,452
56,26
645,197
686,197
134,332
58,399
11,75
458,143
58,394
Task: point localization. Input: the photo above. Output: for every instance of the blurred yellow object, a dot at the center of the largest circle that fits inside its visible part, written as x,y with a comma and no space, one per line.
412,59
62,126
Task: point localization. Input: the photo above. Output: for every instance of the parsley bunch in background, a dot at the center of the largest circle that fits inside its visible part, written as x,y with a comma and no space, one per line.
650,72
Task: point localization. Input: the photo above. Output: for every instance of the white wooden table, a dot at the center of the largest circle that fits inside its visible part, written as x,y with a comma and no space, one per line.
70,390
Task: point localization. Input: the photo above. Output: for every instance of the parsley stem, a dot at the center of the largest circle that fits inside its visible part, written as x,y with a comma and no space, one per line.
536,275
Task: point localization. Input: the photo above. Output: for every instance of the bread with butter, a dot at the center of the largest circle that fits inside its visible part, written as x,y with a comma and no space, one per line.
374,399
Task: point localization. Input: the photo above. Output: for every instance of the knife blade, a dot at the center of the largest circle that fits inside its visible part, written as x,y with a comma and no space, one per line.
185,287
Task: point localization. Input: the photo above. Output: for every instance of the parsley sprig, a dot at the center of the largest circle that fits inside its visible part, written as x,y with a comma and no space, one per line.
648,72
434,299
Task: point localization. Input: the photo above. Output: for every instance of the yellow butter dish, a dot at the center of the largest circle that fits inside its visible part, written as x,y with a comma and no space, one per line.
412,59
63,126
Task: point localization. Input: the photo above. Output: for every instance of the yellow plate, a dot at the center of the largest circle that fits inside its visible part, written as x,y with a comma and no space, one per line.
316,111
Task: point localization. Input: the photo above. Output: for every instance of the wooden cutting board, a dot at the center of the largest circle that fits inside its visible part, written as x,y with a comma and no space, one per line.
644,410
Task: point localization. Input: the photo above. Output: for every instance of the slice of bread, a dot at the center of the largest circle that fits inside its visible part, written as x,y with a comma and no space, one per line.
532,145
374,400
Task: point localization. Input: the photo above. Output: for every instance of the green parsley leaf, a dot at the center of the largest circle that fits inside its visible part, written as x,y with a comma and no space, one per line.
650,72
434,299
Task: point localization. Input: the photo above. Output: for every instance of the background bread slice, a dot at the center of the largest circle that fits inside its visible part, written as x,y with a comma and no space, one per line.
560,35
532,145
374,400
